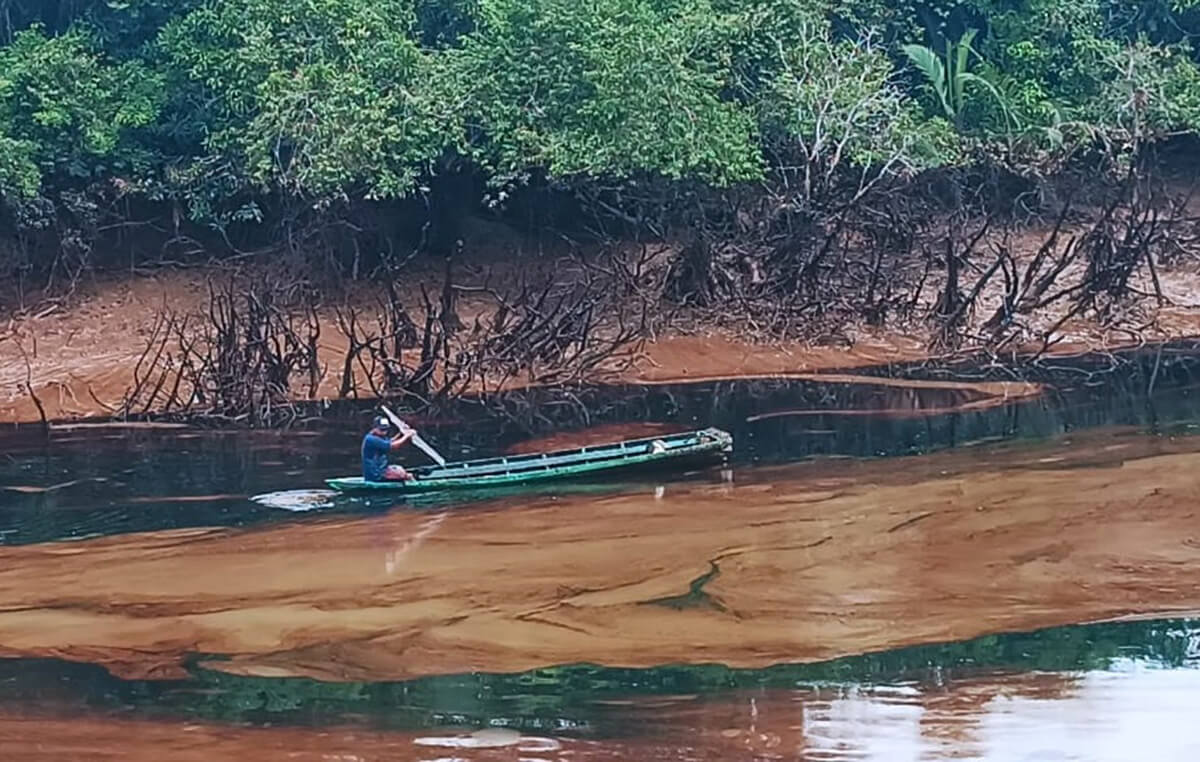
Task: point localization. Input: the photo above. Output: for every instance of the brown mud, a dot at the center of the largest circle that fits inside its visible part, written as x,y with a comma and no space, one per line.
1115,716
783,564
80,360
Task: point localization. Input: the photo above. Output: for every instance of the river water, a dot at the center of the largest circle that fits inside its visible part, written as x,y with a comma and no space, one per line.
887,569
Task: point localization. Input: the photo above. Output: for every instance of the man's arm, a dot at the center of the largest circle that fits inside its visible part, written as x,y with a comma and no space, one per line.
403,438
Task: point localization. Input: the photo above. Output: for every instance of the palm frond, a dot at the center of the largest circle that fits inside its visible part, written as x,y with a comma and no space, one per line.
928,63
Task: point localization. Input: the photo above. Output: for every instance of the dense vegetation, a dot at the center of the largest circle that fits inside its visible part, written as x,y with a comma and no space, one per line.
791,167
231,113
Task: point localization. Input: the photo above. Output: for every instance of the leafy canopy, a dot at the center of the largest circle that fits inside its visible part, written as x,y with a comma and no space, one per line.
838,105
222,102
69,114
313,96
605,88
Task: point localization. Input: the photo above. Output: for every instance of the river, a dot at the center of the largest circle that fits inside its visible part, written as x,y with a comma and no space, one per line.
901,566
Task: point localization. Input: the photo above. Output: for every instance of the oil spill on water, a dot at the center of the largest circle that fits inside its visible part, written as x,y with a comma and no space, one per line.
791,563
195,623
151,478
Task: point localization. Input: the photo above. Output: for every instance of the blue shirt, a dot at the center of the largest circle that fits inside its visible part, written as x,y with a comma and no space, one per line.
375,451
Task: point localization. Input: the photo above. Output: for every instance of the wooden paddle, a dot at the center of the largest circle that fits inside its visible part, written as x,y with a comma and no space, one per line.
421,443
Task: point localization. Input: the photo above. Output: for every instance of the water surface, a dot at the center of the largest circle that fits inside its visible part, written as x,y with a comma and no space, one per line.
883,571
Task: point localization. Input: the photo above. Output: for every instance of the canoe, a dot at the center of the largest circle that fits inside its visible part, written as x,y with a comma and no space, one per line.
675,449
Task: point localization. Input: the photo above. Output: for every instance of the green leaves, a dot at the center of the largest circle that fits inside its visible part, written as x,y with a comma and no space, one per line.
334,99
68,111
1151,93
19,176
931,66
949,77
837,107
314,97
611,88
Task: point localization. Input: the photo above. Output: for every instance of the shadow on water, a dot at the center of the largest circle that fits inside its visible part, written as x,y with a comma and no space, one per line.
574,697
781,420
88,482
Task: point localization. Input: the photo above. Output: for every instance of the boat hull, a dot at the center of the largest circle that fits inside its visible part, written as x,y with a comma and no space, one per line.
580,463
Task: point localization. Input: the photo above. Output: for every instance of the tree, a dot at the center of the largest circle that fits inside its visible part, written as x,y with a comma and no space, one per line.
19,176
948,76
1150,93
838,108
311,97
612,88
69,114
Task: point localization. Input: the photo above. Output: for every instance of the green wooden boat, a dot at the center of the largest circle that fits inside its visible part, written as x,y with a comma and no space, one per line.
692,446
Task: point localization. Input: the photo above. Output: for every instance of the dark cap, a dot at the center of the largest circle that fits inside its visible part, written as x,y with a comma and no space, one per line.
382,422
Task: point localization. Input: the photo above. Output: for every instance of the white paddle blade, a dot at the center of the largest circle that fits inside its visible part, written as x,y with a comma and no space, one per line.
417,440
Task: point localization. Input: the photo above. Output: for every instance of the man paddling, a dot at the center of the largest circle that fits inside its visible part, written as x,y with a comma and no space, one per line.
377,445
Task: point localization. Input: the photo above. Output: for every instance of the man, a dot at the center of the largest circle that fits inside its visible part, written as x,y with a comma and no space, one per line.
376,447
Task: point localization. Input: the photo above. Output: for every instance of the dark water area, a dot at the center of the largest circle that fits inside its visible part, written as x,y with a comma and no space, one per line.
1098,692
1088,691
572,697
123,480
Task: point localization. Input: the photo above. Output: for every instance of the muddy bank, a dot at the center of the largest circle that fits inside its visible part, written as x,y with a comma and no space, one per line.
80,360
779,565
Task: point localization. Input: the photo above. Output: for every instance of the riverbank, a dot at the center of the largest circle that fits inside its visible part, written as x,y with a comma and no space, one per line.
80,359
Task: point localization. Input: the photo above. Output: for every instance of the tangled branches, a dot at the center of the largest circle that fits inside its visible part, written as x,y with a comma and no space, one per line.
921,256
549,328
251,355
783,266
1092,270
237,361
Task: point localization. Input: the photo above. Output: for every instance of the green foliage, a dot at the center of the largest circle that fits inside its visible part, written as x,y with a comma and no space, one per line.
1158,21
223,103
838,105
948,76
901,20
757,33
314,97
611,88
1149,93
19,176
70,111
441,23
1050,56
1074,71
126,26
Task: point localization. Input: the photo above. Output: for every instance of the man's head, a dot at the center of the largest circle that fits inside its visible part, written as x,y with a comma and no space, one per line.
381,426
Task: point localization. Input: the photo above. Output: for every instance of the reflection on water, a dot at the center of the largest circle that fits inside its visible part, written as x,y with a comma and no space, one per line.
1102,692
203,606
1096,717
1099,717
103,481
